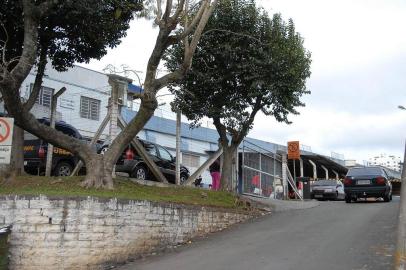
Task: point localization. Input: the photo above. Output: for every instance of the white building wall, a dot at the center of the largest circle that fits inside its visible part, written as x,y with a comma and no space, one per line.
78,82
388,161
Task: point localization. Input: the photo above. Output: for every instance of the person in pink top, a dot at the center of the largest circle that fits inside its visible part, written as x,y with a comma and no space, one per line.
215,175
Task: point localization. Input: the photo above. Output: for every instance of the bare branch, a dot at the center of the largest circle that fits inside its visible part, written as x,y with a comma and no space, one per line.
5,44
158,18
187,30
42,62
198,33
179,9
186,40
168,10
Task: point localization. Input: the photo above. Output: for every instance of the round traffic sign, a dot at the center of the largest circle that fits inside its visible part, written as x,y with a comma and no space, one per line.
4,130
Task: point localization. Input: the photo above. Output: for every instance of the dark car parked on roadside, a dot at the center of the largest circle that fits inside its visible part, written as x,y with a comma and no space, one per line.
365,182
327,190
132,163
35,152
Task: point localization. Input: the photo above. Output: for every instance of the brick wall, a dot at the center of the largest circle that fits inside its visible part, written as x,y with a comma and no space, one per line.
52,233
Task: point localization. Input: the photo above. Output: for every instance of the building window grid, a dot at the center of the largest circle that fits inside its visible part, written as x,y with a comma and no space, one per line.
89,108
44,96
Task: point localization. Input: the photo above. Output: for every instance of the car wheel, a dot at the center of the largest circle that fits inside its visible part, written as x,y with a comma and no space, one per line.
386,198
390,196
348,199
63,169
183,178
140,172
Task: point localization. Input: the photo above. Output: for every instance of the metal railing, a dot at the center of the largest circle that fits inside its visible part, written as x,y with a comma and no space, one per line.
292,183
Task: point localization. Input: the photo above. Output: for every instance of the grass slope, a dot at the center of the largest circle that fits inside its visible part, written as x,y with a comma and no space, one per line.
123,189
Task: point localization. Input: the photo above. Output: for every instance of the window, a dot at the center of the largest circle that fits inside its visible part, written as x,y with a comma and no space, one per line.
150,149
190,160
44,96
89,108
164,153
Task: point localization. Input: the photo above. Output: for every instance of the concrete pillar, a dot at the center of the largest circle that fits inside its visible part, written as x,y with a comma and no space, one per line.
314,169
119,89
336,173
301,167
326,170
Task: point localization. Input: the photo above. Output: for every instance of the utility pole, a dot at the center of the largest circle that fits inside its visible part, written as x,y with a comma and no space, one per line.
50,152
178,154
400,252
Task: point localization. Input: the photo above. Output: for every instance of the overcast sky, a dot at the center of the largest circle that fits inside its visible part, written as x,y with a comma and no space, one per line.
358,75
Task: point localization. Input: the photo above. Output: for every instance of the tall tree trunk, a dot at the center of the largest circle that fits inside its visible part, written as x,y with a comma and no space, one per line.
146,111
8,172
97,175
227,165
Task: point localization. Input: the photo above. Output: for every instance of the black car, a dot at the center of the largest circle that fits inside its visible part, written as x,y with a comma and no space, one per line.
131,162
365,182
35,152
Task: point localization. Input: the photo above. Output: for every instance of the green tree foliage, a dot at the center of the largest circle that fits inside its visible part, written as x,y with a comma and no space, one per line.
246,62
73,30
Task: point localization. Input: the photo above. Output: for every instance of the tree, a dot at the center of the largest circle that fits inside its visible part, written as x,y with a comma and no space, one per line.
64,38
168,18
245,63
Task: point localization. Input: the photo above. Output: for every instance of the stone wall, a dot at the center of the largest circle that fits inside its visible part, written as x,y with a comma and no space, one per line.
52,233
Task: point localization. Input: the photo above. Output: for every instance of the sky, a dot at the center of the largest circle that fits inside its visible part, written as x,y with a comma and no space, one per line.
358,75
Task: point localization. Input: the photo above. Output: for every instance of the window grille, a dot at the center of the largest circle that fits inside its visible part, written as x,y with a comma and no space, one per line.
89,108
45,96
190,160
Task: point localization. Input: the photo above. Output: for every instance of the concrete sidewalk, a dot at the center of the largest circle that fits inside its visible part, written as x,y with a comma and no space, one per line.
282,205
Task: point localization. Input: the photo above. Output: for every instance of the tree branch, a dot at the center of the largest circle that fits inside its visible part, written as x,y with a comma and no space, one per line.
222,131
42,62
197,34
246,126
186,32
168,9
179,9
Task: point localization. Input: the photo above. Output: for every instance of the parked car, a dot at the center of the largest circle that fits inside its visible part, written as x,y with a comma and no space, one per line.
365,182
131,162
328,189
35,152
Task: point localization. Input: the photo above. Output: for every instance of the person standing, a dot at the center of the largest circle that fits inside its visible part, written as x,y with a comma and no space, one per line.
215,175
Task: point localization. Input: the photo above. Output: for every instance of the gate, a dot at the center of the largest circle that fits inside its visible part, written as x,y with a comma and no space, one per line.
261,171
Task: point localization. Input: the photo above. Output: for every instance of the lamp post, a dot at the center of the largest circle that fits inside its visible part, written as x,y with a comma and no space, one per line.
400,252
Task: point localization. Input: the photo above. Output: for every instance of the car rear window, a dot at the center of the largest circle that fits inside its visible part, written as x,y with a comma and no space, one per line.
364,171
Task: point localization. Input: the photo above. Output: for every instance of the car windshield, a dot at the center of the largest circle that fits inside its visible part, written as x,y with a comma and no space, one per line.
364,171
325,183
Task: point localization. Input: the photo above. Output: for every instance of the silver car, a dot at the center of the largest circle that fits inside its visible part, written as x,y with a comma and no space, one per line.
328,190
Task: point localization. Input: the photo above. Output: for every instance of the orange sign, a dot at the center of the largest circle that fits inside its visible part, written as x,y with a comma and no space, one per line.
293,150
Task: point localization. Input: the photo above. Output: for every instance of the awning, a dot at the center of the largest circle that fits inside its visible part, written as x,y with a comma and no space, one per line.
134,89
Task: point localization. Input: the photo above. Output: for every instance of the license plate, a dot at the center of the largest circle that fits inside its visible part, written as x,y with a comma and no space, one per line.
318,196
25,163
363,182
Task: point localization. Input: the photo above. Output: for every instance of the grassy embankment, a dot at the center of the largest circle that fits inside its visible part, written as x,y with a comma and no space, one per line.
123,189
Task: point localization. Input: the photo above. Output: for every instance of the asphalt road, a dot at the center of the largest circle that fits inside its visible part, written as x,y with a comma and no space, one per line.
333,236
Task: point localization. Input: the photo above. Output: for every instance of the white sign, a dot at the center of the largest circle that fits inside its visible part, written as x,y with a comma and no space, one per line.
6,139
